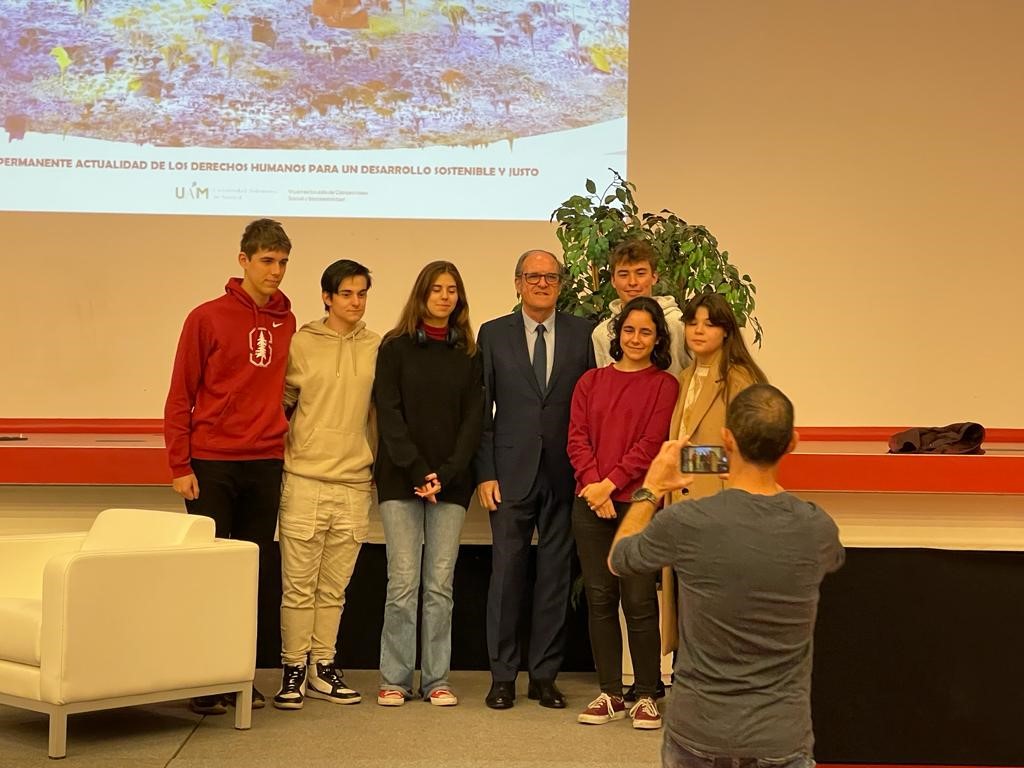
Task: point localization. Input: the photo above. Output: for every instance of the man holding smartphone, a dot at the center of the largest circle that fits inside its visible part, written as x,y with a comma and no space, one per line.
748,563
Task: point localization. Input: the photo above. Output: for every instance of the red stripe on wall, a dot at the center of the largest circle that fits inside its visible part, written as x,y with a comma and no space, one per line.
881,473
904,473
882,434
81,461
83,426
84,466
156,426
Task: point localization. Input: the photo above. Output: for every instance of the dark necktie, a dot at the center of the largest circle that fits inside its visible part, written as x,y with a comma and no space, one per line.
540,359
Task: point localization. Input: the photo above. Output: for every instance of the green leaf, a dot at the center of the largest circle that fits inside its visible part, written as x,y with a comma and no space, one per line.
591,186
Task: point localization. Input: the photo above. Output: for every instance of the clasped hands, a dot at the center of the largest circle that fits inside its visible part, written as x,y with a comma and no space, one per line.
599,498
429,490
663,477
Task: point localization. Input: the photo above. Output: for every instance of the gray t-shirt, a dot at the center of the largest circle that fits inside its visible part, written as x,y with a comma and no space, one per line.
748,569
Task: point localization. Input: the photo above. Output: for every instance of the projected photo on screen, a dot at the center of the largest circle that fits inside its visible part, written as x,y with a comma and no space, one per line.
369,108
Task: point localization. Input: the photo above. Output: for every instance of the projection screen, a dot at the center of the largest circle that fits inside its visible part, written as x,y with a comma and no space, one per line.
339,108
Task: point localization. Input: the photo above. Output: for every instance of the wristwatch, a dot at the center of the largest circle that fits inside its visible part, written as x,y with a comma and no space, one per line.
645,494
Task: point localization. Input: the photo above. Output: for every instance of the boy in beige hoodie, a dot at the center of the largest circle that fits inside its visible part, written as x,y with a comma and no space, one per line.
328,468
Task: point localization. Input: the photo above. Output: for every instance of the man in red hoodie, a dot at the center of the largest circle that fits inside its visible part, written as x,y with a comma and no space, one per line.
224,425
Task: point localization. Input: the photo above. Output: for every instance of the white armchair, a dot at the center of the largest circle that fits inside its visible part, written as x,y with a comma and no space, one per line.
146,606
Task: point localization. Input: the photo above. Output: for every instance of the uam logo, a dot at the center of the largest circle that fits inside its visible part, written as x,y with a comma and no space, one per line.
194,192
261,347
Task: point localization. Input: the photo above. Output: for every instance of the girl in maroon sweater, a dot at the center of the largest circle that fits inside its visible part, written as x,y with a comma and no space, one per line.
620,417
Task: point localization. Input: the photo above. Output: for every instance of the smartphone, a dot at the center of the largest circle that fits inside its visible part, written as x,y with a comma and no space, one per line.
704,460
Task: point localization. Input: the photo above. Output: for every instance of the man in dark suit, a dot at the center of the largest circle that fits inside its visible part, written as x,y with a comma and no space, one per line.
532,359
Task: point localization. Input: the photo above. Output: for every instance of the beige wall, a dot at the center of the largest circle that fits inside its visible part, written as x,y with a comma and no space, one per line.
862,160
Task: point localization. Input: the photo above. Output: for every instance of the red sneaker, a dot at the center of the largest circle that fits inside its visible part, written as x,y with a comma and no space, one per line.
603,710
387,697
442,697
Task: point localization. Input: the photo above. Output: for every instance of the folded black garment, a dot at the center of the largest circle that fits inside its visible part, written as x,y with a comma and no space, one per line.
965,437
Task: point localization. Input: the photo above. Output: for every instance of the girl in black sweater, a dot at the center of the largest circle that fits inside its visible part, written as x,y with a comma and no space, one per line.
428,394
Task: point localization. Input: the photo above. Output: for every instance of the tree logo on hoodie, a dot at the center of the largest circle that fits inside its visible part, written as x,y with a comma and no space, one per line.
261,347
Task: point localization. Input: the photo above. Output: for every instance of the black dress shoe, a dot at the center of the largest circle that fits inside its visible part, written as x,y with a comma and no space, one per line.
547,693
502,695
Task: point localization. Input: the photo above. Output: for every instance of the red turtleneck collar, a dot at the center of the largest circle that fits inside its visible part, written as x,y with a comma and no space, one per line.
435,333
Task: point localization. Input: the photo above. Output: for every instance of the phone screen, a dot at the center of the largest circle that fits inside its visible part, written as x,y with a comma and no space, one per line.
704,460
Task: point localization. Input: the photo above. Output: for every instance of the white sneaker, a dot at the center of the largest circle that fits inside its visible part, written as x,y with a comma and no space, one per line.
324,681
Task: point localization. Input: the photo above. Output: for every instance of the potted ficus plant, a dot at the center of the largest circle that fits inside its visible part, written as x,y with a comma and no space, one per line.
689,260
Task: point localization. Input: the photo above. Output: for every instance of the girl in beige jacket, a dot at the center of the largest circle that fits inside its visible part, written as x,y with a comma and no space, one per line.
722,367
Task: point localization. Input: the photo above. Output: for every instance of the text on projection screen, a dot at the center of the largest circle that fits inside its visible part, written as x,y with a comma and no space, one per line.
364,108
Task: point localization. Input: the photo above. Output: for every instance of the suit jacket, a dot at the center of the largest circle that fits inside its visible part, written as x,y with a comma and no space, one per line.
522,424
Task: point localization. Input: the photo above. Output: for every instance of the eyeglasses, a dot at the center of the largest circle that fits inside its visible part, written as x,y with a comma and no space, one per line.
534,278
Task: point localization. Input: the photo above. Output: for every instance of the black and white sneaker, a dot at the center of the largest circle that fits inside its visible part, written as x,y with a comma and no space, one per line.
292,678
325,682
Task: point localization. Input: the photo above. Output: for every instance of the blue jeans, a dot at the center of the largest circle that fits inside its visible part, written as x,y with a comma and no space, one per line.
420,538
675,755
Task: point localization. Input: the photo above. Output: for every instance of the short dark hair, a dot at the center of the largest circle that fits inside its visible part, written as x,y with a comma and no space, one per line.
661,356
632,251
761,419
339,271
264,235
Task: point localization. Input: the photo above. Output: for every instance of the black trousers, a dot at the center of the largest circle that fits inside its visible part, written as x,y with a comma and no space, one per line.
639,595
243,497
512,526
